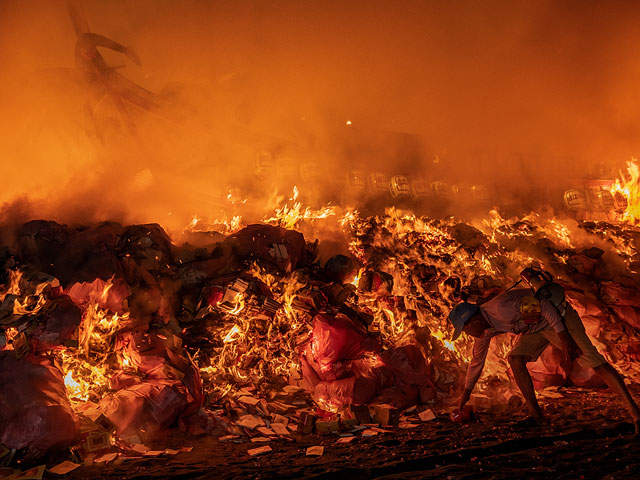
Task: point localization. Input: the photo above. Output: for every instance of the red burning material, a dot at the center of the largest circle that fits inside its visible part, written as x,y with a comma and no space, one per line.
34,410
343,366
166,385
336,339
109,295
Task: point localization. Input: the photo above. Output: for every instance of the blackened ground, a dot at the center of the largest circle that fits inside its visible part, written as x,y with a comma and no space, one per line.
589,436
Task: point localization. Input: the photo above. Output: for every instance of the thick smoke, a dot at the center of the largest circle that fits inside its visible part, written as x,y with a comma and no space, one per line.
515,94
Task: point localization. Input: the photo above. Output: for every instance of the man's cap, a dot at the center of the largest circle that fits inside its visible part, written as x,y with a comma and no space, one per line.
460,315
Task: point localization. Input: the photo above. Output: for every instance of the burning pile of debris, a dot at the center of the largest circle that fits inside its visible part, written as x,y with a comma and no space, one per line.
112,332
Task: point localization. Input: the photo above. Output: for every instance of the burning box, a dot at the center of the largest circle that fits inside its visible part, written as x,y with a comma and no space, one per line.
307,423
106,424
348,420
97,441
264,164
270,306
361,413
386,415
309,300
441,189
325,427
356,180
419,189
399,186
378,183
480,193
232,293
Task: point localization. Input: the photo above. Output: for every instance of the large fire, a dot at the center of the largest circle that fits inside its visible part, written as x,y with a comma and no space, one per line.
246,346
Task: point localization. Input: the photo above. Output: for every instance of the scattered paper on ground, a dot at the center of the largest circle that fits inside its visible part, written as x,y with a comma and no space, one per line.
250,421
342,440
407,425
381,430
317,450
140,448
259,451
426,415
64,467
34,473
106,458
549,394
153,453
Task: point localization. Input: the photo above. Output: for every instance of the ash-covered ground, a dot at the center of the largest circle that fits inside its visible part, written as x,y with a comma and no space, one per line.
587,437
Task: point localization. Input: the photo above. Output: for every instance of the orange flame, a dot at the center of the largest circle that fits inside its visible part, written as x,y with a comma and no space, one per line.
629,187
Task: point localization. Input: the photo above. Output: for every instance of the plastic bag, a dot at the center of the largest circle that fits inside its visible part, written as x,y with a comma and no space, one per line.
34,409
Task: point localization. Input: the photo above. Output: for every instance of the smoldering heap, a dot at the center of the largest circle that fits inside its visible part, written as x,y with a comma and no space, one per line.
113,333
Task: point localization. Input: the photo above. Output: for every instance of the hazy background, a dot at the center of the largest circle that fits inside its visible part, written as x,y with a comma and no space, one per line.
510,93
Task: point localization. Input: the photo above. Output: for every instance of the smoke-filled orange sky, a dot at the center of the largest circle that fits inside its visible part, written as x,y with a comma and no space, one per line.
502,90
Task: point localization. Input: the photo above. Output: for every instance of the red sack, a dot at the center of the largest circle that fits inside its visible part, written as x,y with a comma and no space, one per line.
547,371
160,357
169,392
338,339
146,406
585,377
34,409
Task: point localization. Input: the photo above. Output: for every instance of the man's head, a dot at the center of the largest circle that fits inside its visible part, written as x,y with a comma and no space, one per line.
466,317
